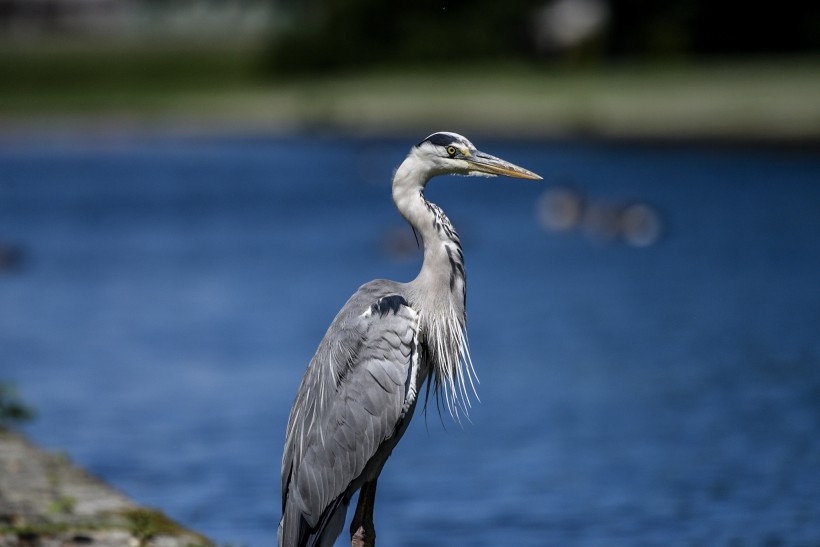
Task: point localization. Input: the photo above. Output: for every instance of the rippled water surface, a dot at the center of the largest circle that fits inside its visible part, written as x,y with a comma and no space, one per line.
170,293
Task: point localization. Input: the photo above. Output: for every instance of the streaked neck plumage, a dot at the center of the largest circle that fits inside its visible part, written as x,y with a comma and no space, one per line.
439,291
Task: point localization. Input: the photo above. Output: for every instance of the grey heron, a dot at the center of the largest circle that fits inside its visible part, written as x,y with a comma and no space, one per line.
360,389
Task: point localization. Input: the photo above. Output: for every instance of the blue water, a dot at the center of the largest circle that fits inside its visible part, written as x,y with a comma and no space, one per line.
171,291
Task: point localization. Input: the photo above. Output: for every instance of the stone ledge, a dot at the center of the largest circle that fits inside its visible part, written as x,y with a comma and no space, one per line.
46,501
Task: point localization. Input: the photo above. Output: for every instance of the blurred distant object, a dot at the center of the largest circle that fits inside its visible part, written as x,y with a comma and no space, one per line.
13,410
11,257
135,19
400,244
563,24
640,225
562,209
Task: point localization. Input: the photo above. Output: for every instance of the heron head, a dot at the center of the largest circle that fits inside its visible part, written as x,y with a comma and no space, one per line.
450,153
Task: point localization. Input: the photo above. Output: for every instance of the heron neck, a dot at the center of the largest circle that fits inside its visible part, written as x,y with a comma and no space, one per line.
442,274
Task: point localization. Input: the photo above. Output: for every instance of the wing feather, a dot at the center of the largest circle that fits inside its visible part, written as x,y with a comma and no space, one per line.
352,400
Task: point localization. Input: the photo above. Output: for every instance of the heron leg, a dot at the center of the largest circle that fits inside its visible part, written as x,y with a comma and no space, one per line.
362,531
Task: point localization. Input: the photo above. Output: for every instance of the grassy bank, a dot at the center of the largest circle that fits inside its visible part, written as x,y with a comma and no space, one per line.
210,89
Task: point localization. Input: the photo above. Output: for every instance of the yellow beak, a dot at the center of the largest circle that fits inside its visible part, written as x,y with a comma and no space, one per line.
485,163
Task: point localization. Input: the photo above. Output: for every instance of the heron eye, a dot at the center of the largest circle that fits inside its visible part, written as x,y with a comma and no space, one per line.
451,150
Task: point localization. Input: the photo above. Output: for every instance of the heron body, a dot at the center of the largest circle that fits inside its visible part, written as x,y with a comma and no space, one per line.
360,389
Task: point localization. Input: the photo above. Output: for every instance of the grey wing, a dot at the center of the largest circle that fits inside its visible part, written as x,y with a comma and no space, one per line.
349,410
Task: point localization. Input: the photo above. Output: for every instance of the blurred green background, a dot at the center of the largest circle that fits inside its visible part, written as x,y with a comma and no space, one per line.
680,69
